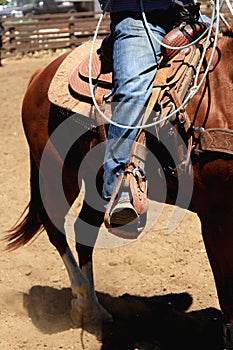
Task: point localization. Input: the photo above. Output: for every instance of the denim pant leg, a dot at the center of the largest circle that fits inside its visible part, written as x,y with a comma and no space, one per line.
135,60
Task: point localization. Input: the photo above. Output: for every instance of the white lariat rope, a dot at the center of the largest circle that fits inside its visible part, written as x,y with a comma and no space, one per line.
230,7
193,90
220,14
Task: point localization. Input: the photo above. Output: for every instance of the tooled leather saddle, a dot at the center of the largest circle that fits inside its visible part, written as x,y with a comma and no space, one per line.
101,69
171,83
174,75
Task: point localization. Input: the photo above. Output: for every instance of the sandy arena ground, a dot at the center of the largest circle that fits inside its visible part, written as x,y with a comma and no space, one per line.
170,293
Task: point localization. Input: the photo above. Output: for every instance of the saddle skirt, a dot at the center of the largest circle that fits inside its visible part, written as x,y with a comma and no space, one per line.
100,77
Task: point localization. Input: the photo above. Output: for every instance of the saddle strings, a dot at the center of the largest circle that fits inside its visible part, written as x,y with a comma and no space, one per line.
194,89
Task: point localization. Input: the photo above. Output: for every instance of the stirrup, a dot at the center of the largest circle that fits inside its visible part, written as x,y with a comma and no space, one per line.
124,218
123,213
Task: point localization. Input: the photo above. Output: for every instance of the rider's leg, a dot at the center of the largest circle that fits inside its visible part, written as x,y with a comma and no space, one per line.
135,61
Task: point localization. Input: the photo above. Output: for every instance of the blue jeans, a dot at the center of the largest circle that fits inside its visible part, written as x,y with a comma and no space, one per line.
135,61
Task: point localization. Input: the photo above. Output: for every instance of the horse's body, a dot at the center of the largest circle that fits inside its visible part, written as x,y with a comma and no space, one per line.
212,198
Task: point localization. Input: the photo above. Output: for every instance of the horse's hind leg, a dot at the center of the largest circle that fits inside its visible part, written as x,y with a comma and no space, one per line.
77,279
57,206
86,231
86,309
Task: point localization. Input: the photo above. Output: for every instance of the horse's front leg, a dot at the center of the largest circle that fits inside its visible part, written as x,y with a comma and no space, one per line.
218,238
86,307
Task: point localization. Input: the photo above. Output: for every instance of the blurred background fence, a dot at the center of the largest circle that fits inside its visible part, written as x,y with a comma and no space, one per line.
30,34
49,32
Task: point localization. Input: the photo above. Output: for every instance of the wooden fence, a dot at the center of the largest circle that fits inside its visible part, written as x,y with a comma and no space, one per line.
44,32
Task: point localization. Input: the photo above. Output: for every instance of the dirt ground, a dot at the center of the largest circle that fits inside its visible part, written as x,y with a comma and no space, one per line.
160,288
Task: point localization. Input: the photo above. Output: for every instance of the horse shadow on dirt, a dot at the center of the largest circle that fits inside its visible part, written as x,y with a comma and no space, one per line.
145,323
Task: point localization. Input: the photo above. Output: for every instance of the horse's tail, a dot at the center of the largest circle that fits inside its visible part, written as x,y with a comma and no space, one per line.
29,223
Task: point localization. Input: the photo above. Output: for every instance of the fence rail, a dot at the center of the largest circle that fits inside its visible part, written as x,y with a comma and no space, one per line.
44,32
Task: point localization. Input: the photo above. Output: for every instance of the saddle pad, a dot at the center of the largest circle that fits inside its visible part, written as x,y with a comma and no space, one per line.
59,93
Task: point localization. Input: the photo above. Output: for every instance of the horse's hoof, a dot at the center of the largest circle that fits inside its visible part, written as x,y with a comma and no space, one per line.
94,315
228,336
105,315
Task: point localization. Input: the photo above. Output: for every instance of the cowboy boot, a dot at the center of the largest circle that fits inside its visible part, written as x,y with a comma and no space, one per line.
126,212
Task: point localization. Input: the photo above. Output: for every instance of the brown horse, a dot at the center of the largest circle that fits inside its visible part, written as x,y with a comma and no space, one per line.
211,198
